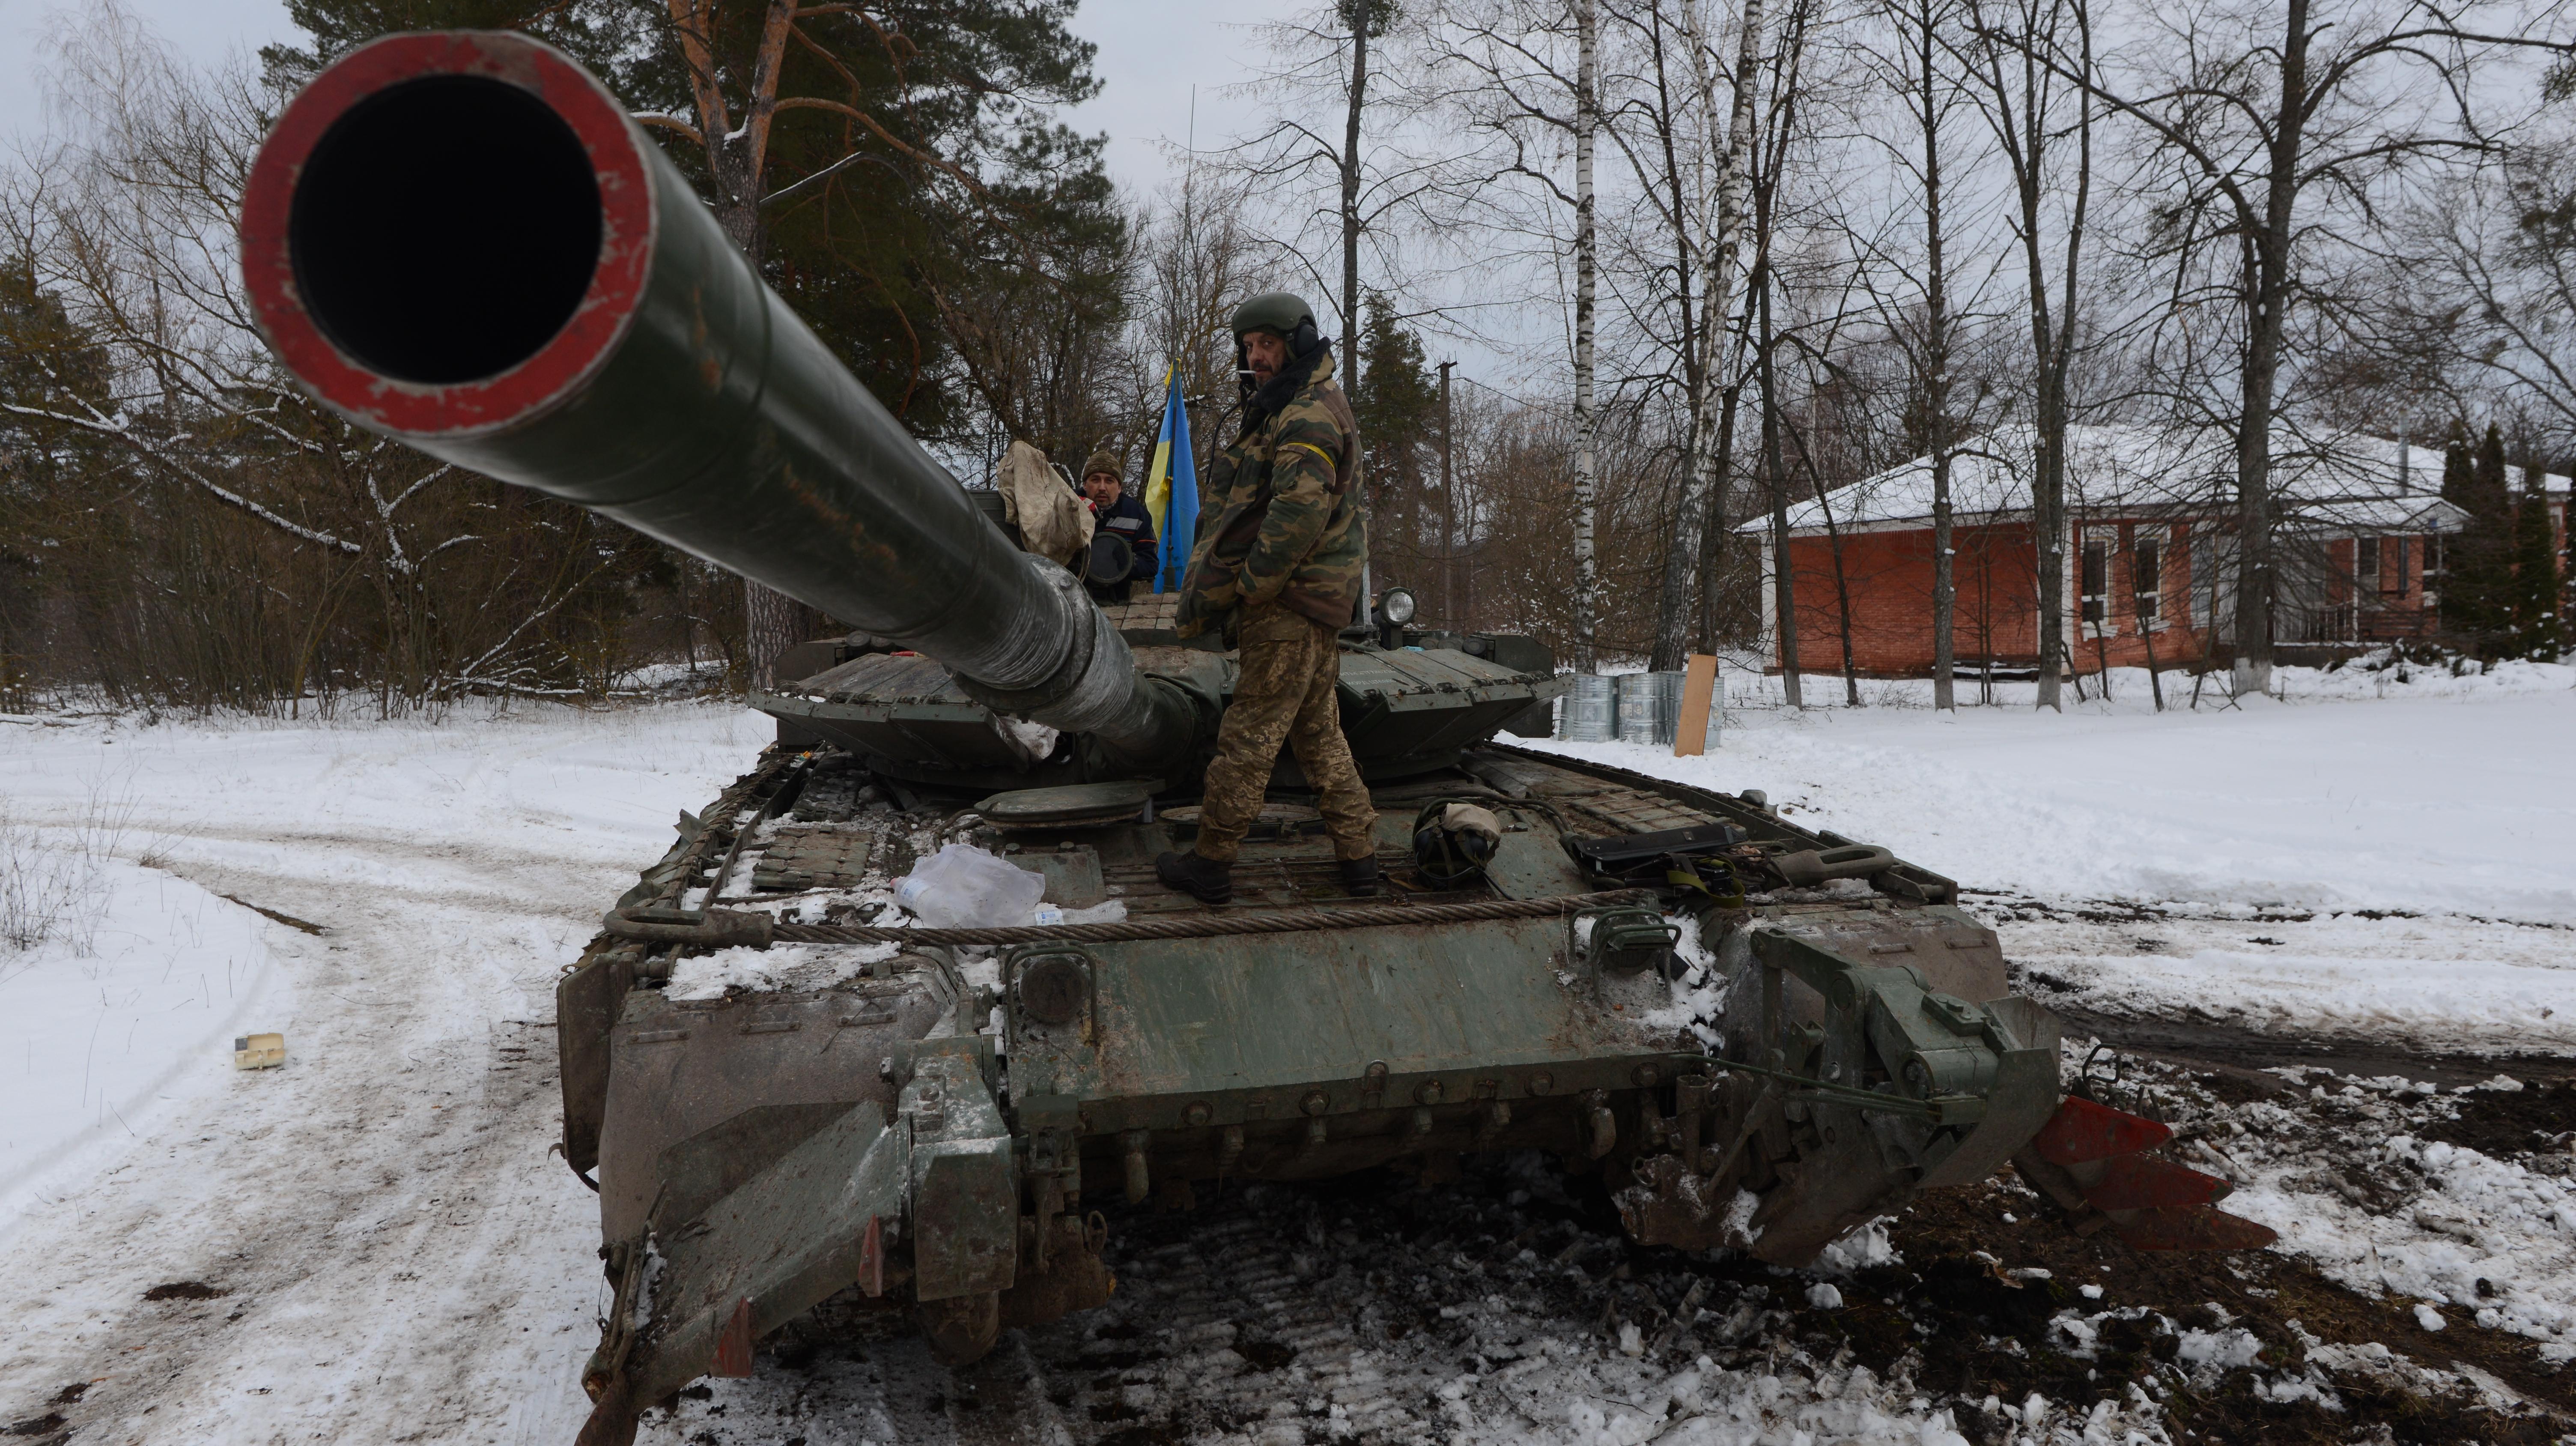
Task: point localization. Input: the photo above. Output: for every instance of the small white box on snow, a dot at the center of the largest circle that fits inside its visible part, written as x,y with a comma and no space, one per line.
259,1051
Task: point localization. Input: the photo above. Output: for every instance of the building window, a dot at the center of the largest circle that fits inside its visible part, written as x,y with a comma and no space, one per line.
2096,589
2392,566
2213,582
2365,565
2198,547
2146,558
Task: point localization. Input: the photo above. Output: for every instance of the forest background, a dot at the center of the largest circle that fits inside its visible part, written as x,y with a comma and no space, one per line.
1707,259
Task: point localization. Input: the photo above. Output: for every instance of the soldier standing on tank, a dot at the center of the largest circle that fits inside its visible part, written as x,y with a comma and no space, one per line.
1113,510
1277,567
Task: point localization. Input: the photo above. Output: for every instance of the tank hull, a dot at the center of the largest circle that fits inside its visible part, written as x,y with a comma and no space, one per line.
1029,1077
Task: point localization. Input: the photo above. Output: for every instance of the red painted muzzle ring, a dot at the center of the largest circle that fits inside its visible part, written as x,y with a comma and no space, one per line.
563,364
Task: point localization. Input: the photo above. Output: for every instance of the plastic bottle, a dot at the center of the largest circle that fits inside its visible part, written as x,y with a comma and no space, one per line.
964,887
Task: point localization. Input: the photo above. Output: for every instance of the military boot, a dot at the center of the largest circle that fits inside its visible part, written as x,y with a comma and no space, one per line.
1202,878
1359,877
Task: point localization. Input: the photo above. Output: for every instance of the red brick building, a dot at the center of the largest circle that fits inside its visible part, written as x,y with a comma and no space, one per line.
2150,553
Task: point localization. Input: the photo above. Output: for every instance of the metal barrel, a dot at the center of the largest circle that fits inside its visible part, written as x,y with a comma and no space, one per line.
1590,714
1668,706
461,241
1641,709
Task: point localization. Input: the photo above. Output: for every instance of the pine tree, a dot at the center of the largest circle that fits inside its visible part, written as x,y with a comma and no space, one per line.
2465,598
48,473
2537,629
2491,525
2565,561
2477,569
1397,404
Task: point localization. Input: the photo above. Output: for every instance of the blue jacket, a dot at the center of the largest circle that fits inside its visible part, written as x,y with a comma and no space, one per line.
1128,518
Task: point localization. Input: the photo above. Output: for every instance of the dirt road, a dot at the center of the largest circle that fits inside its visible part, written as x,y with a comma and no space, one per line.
373,1243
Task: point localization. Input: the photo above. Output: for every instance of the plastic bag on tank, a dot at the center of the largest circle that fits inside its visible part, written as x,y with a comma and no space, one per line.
964,887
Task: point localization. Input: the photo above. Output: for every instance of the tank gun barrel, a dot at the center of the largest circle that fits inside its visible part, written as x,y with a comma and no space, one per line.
460,240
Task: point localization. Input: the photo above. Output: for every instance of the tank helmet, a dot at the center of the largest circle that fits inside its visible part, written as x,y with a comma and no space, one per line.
1279,312
1453,842
1283,314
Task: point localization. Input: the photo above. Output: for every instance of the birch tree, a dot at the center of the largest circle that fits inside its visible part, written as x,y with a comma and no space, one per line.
1701,518
1780,128
1587,420
1505,74
1929,96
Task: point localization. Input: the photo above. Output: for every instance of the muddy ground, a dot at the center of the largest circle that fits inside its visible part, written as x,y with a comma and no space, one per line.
1509,1307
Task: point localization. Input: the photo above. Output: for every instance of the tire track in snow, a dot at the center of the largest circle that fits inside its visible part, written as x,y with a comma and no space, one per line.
402,1258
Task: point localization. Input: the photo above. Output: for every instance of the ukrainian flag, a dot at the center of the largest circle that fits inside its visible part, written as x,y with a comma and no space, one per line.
1172,487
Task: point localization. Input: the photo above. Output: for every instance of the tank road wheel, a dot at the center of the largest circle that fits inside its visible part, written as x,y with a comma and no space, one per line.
961,1329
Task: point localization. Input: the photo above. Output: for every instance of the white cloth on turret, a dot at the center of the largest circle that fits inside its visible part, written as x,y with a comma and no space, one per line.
1053,519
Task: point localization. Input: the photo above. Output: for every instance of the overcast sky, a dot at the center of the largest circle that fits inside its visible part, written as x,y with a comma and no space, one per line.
1151,53
203,30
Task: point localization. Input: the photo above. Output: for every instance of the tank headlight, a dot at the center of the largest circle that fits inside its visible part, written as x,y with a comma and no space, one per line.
1395,605
1054,989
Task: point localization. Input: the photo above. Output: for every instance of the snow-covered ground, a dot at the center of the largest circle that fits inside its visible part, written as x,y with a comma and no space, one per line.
116,1022
398,1255
2443,794
2264,856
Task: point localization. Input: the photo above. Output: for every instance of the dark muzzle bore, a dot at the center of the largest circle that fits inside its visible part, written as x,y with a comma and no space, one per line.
445,229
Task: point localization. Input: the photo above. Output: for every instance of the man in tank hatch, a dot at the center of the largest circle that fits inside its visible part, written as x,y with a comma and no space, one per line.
1277,567
1116,510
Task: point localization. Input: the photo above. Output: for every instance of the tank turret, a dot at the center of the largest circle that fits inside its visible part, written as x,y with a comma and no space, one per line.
617,351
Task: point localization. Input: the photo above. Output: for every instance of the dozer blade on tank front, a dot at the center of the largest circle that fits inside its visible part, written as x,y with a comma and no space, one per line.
461,241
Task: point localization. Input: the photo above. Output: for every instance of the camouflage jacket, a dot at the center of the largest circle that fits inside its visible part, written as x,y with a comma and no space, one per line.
1280,521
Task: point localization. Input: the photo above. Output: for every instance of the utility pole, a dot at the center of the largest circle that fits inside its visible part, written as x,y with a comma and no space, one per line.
1448,513
1936,369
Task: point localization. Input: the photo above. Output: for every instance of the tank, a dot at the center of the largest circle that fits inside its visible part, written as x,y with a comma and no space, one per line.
1755,1035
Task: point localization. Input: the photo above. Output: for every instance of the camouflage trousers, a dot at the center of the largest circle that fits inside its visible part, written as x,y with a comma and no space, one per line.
1290,667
